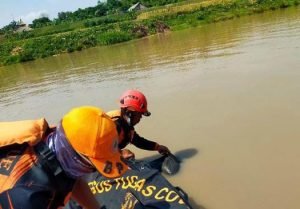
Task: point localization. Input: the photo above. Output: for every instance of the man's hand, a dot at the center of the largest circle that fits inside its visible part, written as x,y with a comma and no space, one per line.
163,149
127,154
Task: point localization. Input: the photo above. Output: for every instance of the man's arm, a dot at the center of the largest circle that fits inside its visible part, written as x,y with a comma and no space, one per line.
82,194
143,143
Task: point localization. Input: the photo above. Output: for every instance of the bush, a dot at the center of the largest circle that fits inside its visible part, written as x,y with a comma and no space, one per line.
12,60
26,56
113,37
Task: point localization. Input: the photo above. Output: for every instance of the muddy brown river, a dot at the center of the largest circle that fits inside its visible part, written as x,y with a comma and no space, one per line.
225,97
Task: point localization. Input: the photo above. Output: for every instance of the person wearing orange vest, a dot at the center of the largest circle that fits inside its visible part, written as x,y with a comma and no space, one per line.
133,105
42,167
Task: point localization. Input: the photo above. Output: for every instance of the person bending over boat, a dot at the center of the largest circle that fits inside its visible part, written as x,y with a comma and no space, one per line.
41,167
133,105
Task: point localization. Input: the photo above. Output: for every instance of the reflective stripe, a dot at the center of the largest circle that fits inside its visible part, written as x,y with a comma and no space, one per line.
18,160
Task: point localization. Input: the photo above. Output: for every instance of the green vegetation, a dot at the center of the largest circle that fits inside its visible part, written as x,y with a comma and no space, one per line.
107,24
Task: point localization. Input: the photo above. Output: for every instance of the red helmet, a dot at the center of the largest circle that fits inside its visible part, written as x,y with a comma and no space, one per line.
136,100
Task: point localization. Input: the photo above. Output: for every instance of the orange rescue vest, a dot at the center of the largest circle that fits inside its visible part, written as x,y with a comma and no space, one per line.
116,115
19,132
30,174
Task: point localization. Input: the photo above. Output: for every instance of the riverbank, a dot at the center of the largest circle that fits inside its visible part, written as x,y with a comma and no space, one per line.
59,39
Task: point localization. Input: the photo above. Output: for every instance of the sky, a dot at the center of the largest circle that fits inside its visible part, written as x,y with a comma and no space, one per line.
29,10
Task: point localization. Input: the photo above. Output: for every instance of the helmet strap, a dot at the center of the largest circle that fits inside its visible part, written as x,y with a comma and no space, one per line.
128,117
128,120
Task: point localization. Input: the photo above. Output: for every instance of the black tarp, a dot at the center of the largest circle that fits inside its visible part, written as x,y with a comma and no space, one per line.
141,187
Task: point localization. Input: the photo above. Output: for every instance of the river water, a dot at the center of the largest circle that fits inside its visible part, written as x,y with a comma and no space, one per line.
224,97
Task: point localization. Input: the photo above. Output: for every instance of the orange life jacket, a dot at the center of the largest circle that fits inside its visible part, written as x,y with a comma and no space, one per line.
30,175
116,115
19,132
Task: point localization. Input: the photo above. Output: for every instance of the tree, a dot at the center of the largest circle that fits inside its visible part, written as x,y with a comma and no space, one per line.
10,27
101,10
113,4
40,22
64,15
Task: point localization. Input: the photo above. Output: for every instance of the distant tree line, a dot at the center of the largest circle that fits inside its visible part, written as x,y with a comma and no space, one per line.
11,26
101,9
108,7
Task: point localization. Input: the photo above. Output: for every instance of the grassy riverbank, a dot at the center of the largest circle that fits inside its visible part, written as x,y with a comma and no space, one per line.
69,37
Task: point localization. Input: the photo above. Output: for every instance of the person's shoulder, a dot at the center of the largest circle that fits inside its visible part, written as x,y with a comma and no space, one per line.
114,113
